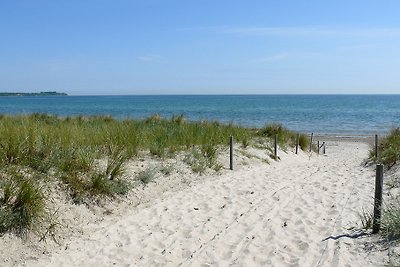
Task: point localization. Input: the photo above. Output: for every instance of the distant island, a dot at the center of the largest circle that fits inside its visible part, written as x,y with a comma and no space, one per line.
34,94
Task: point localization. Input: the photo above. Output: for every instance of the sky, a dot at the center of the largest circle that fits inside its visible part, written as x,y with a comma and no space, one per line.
97,47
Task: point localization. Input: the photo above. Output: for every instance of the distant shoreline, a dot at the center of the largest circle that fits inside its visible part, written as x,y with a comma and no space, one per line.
34,94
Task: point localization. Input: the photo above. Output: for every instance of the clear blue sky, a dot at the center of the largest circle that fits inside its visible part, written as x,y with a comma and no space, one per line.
200,46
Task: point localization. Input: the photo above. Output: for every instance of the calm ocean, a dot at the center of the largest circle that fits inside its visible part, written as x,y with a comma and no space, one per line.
324,114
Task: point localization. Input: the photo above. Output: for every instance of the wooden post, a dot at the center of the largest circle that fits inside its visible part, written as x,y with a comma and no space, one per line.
318,146
276,147
378,199
231,153
297,143
311,141
376,147
324,147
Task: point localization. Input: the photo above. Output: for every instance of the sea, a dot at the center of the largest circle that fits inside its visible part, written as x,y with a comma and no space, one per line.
340,115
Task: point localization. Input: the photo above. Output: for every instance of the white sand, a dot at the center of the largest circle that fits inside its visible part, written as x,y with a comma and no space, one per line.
257,215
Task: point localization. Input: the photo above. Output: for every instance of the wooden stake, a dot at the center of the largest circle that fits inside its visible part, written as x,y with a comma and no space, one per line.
276,147
376,147
312,134
297,143
378,199
231,153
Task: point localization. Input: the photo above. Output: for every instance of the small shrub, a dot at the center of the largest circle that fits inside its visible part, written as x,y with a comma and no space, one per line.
120,187
200,160
146,176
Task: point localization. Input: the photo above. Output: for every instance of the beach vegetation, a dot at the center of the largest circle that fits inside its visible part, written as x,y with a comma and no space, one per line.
366,219
147,175
84,187
70,151
304,142
389,155
390,223
100,184
388,149
115,164
22,203
286,137
196,160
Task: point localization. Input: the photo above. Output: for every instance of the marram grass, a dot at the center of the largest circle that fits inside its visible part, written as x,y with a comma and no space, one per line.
67,149
389,155
388,149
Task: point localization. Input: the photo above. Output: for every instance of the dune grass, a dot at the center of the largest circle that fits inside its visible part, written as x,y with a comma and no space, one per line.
389,155
22,203
68,150
388,149
286,137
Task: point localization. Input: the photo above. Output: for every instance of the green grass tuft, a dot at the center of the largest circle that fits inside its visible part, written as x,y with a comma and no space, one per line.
388,149
391,222
22,204
147,175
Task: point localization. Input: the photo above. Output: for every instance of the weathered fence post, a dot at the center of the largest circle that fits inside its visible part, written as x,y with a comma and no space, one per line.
378,199
276,146
324,147
297,143
318,146
231,153
376,147
311,141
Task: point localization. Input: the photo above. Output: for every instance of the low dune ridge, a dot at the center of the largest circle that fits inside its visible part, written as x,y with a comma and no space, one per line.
302,210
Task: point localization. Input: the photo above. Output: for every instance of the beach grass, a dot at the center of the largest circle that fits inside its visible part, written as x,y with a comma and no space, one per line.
68,150
22,203
286,137
389,155
389,148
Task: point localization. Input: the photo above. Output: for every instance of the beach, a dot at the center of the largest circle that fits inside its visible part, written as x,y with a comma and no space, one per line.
199,133
302,210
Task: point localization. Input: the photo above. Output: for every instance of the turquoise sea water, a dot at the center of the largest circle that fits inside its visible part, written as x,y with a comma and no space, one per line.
324,114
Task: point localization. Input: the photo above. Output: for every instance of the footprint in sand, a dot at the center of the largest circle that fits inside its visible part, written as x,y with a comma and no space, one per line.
302,245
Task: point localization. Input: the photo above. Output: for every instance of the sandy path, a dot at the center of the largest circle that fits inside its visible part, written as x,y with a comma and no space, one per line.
257,215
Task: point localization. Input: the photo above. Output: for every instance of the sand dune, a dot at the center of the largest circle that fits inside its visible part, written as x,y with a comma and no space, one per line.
295,212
